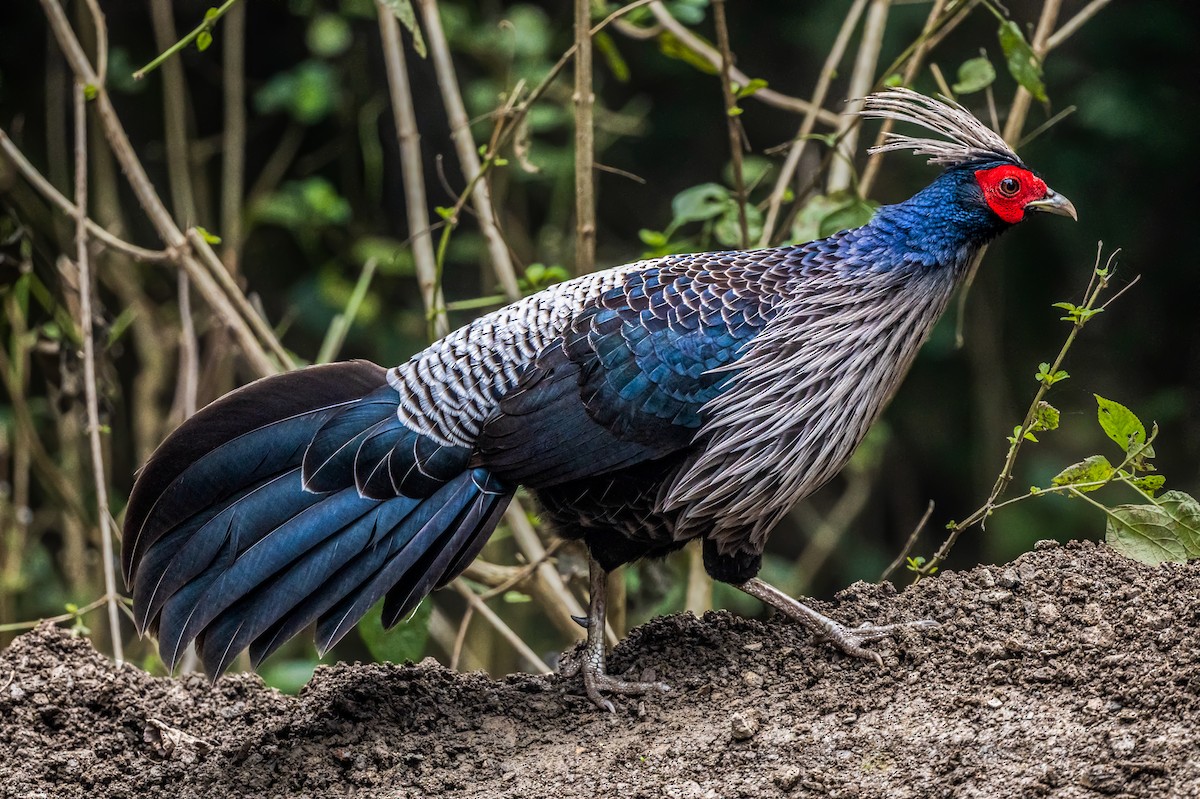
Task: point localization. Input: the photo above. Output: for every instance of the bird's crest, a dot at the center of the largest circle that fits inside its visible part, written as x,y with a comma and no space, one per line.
968,139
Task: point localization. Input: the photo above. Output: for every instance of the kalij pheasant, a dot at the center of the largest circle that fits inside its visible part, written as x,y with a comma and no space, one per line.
693,396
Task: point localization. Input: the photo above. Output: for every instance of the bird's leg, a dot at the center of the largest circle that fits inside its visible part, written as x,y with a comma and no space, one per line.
596,681
848,639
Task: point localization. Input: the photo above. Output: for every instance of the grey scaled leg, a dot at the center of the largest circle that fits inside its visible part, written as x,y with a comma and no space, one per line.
850,640
596,681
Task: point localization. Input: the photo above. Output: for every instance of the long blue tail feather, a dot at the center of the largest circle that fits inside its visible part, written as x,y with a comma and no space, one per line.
247,620
309,505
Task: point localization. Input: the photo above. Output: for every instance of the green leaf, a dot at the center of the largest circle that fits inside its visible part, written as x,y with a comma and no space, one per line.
1045,418
974,75
1184,511
1023,64
204,40
1146,533
1121,425
607,48
1149,483
1044,376
671,47
308,92
823,215
893,80
328,35
403,11
90,91
1076,314
700,203
405,641
210,238
750,88
652,238
1095,469
728,229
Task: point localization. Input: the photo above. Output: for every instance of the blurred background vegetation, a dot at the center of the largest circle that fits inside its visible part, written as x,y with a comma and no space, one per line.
304,190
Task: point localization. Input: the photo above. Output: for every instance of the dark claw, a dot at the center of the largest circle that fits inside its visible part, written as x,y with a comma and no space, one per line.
581,621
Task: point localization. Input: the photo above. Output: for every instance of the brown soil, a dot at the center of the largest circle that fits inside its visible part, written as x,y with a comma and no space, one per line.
1071,672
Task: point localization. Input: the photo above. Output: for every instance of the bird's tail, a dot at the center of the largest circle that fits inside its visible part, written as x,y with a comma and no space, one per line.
265,512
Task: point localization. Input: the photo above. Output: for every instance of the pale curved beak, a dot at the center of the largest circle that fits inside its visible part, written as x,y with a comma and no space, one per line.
1053,203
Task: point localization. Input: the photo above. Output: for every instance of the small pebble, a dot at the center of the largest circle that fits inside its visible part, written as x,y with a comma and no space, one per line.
752,679
742,727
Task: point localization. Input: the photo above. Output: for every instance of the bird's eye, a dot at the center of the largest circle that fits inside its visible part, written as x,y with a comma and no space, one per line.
1009,187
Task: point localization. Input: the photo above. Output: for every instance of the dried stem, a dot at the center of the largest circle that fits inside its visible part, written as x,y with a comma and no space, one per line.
585,154
409,141
47,190
179,175
257,340
233,137
1076,22
528,655
841,172
464,146
923,45
706,51
731,120
86,317
792,162
909,544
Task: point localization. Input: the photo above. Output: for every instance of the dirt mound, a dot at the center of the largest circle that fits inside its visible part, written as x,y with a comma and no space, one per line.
1071,672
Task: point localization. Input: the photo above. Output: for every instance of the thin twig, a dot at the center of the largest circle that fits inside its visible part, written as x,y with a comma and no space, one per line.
409,142
841,172
1096,285
179,177
95,229
909,544
1076,22
257,340
923,46
585,146
210,19
464,146
518,644
233,137
732,124
701,48
460,637
86,318
17,626
1018,111
792,162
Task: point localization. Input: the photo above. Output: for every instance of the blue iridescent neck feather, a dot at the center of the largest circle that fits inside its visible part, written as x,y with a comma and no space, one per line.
943,225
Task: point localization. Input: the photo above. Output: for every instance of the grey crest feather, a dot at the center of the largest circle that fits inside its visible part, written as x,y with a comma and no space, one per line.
967,139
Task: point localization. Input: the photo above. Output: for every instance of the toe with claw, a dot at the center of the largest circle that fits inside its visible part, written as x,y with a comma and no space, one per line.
850,640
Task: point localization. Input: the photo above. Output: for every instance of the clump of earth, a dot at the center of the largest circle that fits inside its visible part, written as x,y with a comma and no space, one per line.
1071,672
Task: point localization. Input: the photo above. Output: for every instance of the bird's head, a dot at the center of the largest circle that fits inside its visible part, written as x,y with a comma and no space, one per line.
1011,191
986,177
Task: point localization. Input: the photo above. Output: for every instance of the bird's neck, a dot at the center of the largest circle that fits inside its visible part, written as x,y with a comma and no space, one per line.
938,228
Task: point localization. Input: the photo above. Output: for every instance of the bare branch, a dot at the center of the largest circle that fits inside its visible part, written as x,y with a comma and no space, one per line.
86,318
585,147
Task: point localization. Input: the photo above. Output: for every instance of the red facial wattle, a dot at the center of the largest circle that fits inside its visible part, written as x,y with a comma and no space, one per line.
1007,189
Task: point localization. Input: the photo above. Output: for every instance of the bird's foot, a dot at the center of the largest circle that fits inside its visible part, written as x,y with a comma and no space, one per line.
597,683
850,640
